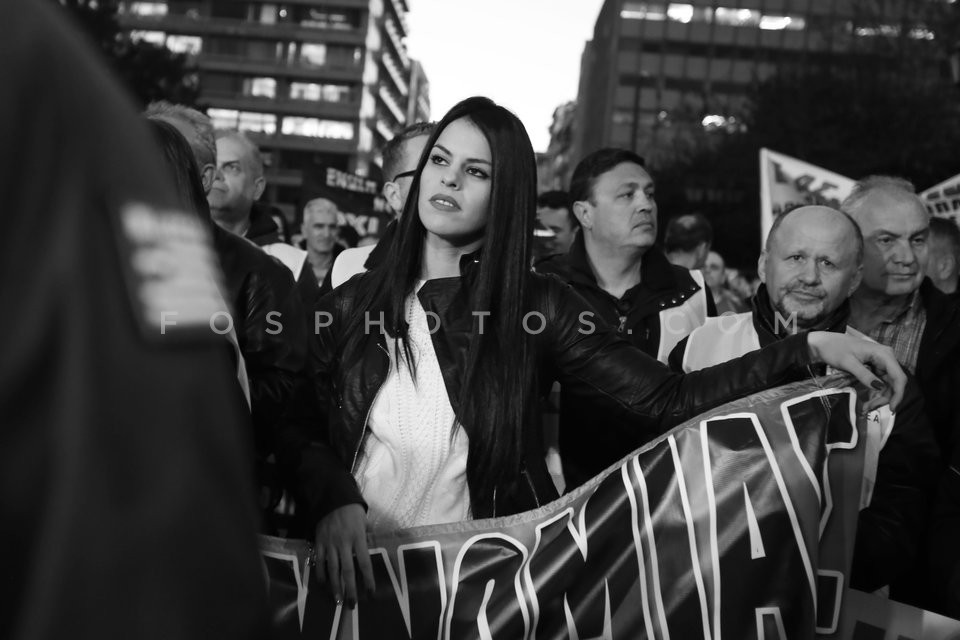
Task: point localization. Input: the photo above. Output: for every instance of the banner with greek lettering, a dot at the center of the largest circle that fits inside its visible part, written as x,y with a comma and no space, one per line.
358,199
787,183
739,523
943,200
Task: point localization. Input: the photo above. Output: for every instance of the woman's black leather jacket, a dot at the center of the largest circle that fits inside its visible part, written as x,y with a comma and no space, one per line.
587,360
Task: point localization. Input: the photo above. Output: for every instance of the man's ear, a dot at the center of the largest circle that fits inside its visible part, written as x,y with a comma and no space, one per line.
583,210
761,267
949,265
392,193
943,266
207,175
857,279
258,186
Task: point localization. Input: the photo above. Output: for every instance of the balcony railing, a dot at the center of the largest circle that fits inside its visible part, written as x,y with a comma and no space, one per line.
302,143
330,72
401,50
282,106
242,28
395,74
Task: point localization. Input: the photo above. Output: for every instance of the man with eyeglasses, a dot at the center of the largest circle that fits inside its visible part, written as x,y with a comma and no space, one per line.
400,157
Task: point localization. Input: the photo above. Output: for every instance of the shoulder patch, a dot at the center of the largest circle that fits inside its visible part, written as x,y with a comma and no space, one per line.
171,272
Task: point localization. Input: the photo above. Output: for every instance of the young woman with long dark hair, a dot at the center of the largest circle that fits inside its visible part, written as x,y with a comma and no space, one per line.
434,359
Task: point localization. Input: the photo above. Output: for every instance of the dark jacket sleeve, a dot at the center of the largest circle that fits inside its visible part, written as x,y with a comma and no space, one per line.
321,478
890,529
273,340
675,359
944,541
603,368
711,303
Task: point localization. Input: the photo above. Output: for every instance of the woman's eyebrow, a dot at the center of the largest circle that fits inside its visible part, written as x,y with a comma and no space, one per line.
447,151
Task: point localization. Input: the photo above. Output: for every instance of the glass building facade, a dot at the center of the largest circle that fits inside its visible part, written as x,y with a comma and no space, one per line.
654,67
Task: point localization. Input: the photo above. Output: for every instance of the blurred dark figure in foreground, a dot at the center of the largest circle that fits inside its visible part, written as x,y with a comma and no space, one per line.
262,297
122,470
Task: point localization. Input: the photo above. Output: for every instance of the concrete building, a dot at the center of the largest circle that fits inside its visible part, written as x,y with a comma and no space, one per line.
313,82
556,163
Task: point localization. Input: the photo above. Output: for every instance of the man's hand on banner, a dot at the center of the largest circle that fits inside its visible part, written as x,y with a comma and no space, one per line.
342,538
858,356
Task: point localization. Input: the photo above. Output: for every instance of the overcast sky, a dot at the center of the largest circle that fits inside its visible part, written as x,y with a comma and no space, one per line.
523,54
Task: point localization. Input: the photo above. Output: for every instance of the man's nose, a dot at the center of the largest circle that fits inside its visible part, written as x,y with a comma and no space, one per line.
810,274
903,253
643,201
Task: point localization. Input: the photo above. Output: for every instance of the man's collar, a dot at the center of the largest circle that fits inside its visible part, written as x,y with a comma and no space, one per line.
656,272
770,327
908,310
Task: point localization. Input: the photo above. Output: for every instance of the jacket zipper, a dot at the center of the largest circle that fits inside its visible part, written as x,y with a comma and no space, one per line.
366,420
623,322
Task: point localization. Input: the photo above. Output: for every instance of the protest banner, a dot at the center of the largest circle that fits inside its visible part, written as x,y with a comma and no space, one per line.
787,183
943,200
738,523
358,199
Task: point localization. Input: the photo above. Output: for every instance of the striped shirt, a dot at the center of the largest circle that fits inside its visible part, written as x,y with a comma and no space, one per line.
903,332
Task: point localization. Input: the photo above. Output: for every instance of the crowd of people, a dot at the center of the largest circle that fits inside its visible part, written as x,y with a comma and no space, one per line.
439,410
498,347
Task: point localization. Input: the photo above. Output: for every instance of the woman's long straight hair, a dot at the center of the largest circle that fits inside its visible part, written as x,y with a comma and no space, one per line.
499,383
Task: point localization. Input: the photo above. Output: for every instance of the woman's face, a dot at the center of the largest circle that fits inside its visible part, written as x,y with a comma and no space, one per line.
454,199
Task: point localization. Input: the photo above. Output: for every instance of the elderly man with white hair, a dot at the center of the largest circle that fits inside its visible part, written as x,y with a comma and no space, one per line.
897,305
320,232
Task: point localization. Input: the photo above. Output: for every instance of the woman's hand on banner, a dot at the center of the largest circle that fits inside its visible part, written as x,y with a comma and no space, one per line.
341,538
862,358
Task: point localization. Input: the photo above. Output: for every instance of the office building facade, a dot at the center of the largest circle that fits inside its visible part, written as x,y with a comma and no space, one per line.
658,76
654,67
312,82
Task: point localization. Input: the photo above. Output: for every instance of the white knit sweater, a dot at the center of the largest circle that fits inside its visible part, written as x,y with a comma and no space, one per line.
413,468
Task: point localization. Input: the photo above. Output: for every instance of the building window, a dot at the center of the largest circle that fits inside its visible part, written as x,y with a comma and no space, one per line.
777,23
319,92
243,120
264,14
644,10
190,45
153,37
317,128
318,18
315,54
224,118
189,8
680,12
257,122
148,8
736,17
260,87
686,13
221,83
